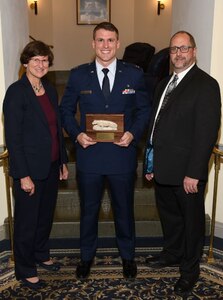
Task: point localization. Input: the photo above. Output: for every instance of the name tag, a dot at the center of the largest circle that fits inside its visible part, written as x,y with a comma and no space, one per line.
86,92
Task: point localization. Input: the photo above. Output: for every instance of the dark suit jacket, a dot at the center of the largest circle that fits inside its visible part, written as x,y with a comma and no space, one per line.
27,133
187,129
128,97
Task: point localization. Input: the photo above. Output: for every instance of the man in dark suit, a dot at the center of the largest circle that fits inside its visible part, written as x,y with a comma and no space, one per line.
183,131
115,161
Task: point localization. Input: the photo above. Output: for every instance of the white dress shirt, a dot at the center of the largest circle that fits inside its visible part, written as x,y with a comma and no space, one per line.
111,73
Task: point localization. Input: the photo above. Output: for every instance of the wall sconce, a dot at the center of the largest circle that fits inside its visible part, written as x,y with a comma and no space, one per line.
159,7
35,7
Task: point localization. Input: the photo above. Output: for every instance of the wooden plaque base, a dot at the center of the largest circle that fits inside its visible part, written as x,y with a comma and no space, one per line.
105,127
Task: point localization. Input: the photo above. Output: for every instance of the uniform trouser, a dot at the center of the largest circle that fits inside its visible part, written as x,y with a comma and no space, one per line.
33,219
183,222
91,189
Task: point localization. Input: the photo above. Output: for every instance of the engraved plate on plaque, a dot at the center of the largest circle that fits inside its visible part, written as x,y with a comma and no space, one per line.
105,127
104,136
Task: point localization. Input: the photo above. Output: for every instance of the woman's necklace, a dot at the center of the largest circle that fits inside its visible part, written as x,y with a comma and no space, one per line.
37,88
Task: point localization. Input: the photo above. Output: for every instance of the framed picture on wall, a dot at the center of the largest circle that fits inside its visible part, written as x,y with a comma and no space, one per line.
92,12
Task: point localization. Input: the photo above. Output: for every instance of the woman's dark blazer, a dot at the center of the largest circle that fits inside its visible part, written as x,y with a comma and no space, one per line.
27,133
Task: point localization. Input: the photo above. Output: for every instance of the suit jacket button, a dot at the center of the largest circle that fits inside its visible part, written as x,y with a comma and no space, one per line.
106,106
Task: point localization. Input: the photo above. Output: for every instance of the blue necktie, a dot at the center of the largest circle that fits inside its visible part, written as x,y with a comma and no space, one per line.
105,83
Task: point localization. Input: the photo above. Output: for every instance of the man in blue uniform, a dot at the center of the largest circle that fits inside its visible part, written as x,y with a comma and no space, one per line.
116,161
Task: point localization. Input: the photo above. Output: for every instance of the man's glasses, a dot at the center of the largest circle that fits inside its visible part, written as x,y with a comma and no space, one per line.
183,49
37,61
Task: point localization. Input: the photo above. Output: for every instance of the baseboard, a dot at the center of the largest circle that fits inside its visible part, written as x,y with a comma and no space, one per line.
150,241
218,230
3,235
74,243
2,148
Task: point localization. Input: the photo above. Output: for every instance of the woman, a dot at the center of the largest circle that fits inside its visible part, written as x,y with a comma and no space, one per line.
37,160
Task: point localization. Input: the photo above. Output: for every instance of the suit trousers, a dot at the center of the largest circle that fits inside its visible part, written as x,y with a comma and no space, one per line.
183,222
33,219
121,190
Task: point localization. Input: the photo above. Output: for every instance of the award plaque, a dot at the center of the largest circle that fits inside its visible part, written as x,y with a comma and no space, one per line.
105,127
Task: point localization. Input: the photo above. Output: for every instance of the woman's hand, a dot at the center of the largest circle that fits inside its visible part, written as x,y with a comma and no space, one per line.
64,172
27,185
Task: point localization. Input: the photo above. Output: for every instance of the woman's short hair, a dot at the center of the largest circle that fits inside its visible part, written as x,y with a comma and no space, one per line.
36,48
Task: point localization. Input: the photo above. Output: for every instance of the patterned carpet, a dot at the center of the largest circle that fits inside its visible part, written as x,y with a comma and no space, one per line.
106,281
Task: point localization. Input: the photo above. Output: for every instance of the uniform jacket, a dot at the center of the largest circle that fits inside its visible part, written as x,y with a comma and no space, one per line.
188,128
27,133
128,97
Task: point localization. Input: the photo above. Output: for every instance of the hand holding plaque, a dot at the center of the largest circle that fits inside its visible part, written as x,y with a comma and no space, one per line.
105,127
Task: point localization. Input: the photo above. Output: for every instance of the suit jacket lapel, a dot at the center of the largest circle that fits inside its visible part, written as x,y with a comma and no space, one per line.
184,82
158,94
118,77
33,100
119,82
120,72
178,90
94,79
95,82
